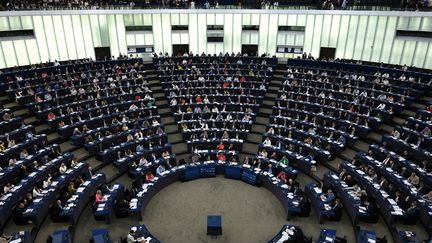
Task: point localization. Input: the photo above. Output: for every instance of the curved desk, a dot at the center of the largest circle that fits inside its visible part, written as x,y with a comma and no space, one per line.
246,173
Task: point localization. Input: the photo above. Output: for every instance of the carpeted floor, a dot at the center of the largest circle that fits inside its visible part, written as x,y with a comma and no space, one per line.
178,214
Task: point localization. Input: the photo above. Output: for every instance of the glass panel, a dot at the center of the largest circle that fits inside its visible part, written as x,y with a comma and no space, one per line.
292,20
15,23
130,40
427,24
32,50
325,34
138,19
121,34
9,53
148,39
349,49
342,37
50,35
70,43
388,39
4,24
157,33
201,34
272,31
21,52
61,42
184,19
228,32
407,55
193,31
403,23
128,19
299,40
147,19
334,30
283,18
166,28
236,36
79,40
175,19
360,39
308,33
255,19
316,42
2,61
370,33
112,32
94,24
420,53
379,39
41,39
414,23
104,32
301,20
139,38
396,52
26,22
211,19
263,32
428,60
87,34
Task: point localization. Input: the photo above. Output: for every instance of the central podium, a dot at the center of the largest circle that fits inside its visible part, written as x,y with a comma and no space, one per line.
214,225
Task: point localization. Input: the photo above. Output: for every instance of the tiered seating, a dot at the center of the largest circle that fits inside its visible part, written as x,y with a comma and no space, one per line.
215,99
77,201
23,183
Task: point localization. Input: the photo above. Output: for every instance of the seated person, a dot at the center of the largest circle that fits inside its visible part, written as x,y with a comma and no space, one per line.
335,214
149,177
412,214
160,170
98,196
329,197
56,209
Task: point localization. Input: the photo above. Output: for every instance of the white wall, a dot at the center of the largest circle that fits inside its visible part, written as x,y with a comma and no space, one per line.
363,35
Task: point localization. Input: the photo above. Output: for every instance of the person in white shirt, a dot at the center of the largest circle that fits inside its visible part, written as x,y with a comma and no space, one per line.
37,192
62,168
160,169
267,142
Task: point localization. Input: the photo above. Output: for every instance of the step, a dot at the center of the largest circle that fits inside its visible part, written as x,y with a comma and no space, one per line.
110,172
168,120
11,106
158,95
386,128
66,146
347,154
156,88
81,154
22,113
360,145
269,102
31,121
164,111
94,163
258,128
272,95
375,137
254,138
266,111
179,148
250,148
161,103
175,138
43,128
398,120
54,138
262,120
171,128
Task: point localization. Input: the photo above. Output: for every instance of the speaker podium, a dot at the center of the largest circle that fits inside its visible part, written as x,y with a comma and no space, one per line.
214,225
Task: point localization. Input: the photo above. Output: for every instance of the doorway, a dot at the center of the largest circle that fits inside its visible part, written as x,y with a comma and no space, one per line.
327,53
251,50
180,49
102,53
